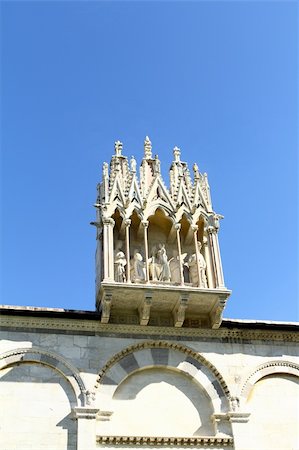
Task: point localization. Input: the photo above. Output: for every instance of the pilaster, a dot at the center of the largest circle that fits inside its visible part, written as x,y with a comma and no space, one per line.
86,427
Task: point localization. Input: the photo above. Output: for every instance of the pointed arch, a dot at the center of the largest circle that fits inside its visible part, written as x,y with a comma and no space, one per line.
199,199
134,193
183,197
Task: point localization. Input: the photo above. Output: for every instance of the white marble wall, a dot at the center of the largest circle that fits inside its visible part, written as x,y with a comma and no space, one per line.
155,396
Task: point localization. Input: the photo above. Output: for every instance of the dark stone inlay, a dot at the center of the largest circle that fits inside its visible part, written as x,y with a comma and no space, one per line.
160,356
218,388
129,363
49,360
107,380
195,363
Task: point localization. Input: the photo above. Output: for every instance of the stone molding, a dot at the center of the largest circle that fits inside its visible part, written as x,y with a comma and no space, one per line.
94,326
273,367
85,413
51,359
238,417
200,441
220,392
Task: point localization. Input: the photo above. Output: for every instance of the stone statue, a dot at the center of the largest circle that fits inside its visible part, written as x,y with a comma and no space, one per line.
137,268
235,403
105,170
118,146
133,164
180,169
176,154
196,171
120,262
175,267
90,397
164,264
147,148
198,268
153,267
157,167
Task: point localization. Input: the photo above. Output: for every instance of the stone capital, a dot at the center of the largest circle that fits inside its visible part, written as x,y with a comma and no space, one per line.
127,222
177,226
108,221
212,230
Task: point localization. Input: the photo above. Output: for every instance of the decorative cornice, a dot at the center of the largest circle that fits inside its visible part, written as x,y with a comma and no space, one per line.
206,441
85,413
238,417
235,335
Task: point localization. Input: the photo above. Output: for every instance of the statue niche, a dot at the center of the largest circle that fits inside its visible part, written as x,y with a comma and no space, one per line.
158,232
120,262
159,268
137,268
197,268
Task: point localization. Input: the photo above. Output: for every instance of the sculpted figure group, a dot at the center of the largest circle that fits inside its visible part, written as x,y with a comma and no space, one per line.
162,269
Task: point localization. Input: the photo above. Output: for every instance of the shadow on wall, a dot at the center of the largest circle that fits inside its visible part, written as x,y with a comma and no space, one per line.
36,402
161,402
274,406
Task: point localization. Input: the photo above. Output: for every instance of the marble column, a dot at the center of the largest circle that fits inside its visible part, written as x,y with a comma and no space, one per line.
145,224
178,228
214,243
99,259
127,225
207,256
108,224
195,229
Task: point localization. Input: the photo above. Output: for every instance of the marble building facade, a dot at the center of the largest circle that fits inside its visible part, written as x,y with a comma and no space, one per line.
155,365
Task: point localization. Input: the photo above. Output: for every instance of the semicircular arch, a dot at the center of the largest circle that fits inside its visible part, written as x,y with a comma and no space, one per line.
172,356
40,356
273,367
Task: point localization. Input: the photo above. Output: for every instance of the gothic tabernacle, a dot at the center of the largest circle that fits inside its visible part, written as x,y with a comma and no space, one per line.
155,366
158,258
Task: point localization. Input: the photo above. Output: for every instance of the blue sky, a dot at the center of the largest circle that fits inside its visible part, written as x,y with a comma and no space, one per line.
217,79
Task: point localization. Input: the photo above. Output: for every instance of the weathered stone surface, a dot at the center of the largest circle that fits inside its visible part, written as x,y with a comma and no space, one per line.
237,365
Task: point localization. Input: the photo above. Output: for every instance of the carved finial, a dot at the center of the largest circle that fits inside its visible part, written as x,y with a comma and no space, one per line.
105,170
196,171
176,154
118,146
147,148
133,164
